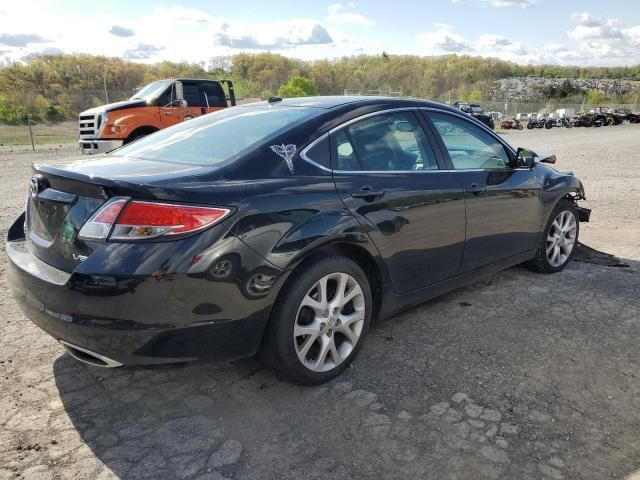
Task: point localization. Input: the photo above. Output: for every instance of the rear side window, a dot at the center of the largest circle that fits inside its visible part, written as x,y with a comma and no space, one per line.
192,95
218,137
388,142
320,153
213,95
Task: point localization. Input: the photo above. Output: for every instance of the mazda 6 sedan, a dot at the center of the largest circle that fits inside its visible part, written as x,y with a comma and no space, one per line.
284,228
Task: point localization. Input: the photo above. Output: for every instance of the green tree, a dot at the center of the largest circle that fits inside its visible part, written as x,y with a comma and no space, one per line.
298,87
596,97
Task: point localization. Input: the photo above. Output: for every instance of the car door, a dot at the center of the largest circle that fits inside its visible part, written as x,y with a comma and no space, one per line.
388,175
503,202
172,112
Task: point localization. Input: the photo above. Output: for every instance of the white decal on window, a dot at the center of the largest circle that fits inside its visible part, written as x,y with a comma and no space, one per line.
287,152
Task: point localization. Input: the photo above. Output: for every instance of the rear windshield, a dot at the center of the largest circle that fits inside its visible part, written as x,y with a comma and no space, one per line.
217,137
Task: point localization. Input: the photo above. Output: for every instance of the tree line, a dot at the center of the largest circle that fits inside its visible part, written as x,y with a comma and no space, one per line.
57,87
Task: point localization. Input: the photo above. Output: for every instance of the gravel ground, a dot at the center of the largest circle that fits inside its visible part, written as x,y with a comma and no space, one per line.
520,376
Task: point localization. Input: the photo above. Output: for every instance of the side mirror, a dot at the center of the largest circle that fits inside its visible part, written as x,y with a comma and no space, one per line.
526,158
180,94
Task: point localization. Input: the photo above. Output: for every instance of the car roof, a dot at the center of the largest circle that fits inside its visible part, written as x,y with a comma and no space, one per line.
335,101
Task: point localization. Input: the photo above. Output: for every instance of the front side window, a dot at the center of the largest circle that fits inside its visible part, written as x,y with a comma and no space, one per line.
219,136
468,145
388,142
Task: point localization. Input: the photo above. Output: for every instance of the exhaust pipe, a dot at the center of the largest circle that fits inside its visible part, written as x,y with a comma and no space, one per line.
87,356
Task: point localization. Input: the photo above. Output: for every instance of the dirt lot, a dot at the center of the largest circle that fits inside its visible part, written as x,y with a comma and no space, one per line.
521,376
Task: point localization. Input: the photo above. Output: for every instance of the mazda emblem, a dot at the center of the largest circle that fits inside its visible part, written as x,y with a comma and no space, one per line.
37,185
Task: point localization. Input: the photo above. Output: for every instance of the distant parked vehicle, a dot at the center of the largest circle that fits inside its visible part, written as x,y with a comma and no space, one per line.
156,106
538,122
605,116
628,115
514,124
557,122
586,120
475,111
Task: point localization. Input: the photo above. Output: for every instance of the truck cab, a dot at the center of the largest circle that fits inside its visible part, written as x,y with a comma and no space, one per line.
158,105
475,111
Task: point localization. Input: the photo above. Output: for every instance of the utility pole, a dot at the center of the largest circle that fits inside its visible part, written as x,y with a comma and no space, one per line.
104,82
33,146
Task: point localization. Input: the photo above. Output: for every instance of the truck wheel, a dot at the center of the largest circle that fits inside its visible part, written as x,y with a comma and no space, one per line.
558,242
139,133
320,320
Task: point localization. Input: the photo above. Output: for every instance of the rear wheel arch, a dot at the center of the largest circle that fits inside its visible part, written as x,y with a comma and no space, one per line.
359,254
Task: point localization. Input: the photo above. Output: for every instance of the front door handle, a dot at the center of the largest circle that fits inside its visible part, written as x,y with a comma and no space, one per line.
476,189
368,193
168,113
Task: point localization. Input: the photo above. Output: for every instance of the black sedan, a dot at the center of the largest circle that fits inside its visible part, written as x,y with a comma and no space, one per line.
284,227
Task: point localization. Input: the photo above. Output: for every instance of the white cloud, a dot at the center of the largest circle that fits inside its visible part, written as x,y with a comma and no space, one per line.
498,45
338,15
120,31
600,41
443,40
275,35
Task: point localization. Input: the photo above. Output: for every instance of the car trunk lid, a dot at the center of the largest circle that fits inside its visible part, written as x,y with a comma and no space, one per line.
63,197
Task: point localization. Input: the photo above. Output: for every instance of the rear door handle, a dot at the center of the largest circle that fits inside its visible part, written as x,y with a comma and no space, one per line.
476,189
368,192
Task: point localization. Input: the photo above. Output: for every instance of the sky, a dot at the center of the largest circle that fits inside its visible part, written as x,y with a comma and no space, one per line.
565,32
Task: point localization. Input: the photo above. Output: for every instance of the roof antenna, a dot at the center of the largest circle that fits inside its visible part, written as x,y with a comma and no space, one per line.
274,99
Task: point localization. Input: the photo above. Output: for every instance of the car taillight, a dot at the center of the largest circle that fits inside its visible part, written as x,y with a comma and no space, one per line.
123,219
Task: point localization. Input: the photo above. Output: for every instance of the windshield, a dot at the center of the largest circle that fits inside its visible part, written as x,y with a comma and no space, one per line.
217,137
152,91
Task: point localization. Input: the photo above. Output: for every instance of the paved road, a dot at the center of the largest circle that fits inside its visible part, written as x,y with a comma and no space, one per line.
521,376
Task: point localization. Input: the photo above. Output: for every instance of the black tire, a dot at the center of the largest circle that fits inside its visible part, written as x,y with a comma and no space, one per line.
279,350
540,263
519,127
530,126
139,133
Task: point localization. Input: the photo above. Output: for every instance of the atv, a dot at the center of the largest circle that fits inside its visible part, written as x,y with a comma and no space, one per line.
514,124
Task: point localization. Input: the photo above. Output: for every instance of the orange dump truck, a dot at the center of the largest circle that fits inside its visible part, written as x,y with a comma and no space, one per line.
158,105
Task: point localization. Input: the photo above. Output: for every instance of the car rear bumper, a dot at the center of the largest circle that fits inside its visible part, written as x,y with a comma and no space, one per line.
93,147
136,321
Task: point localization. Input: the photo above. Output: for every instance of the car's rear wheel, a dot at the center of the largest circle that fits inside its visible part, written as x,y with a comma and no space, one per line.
320,320
560,238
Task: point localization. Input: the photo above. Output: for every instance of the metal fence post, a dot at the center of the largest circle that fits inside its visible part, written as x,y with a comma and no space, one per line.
33,146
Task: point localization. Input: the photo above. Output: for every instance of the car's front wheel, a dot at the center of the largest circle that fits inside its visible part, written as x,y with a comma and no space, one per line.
320,320
559,240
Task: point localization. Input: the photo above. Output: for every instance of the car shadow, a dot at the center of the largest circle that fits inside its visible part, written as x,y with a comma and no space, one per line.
166,421
201,419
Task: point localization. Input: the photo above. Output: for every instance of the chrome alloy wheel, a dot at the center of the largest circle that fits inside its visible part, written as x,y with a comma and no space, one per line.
329,322
561,238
